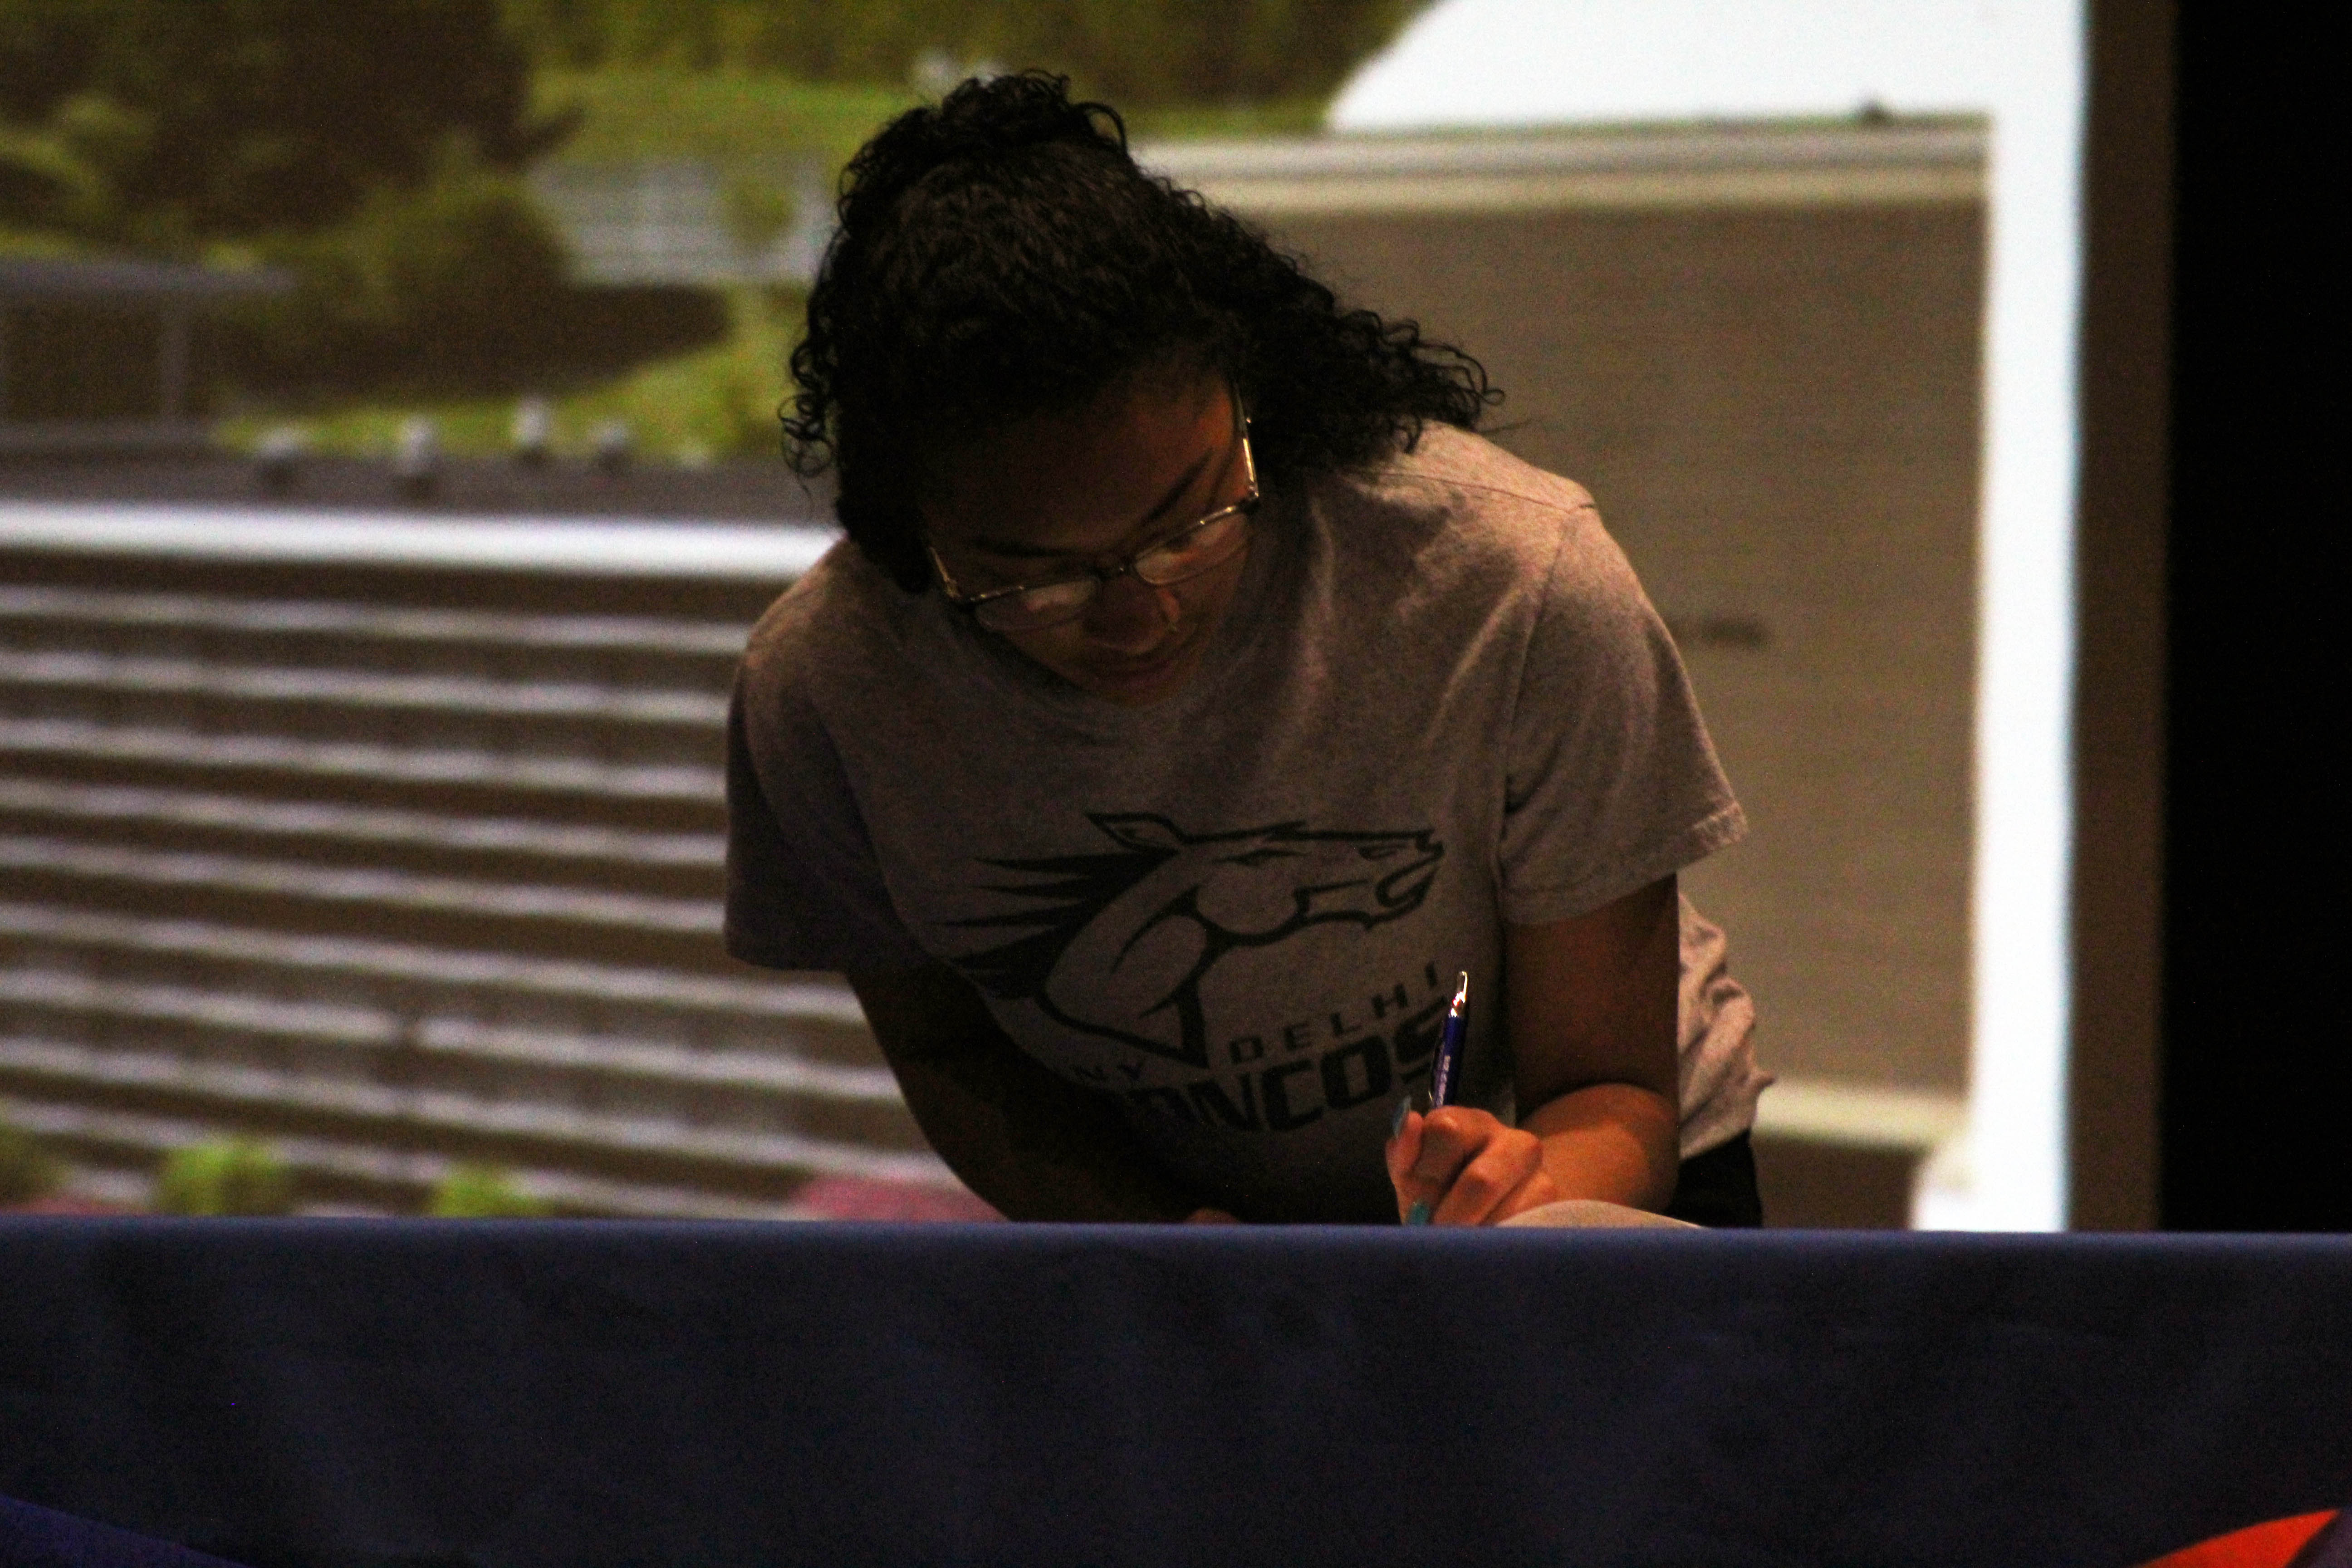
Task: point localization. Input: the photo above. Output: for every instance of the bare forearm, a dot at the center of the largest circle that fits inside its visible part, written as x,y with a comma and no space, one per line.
1594,1027
1613,1141
1033,1146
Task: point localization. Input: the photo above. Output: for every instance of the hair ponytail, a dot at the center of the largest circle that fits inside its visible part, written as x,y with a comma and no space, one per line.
979,120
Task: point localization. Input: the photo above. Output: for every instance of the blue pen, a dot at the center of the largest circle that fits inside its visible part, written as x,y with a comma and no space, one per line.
1444,1068
1448,1065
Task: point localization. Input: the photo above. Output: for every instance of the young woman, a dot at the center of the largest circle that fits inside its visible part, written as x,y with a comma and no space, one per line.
1193,698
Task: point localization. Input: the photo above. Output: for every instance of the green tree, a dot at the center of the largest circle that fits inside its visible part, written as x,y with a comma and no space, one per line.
169,123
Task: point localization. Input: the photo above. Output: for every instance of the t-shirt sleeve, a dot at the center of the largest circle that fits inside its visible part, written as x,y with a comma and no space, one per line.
1611,782
804,890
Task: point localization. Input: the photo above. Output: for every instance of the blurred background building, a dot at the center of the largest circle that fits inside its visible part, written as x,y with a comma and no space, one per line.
359,782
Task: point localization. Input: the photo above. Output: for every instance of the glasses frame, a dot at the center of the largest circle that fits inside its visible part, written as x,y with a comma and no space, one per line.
1245,507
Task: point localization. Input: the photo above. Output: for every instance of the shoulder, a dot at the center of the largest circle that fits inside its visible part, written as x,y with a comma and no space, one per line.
1459,515
1471,472
844,620
835,654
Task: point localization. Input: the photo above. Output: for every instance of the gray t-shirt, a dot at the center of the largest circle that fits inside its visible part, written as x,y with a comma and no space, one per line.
1437,703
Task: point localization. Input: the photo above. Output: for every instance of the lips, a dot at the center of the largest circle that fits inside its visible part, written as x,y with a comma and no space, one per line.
1139,670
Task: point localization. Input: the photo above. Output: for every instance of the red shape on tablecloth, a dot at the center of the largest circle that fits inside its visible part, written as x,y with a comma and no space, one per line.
867,1198
2275,1543
62,1203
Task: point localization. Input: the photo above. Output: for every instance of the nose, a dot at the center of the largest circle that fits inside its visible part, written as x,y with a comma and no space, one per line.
1129,616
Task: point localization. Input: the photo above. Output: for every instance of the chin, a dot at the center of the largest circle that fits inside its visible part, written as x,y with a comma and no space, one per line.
1139,689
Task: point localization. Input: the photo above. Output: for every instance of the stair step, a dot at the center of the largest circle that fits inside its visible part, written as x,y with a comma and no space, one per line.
817,1008
452,1038
390,623
153,677
372,886
365,759
165,1083
405,848
371,826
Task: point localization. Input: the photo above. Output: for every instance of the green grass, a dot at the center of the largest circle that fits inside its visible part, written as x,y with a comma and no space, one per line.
32,245
733,119
727,119
1214,121
718,402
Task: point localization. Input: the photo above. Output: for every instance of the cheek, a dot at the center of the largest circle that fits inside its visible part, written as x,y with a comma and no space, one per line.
1205,597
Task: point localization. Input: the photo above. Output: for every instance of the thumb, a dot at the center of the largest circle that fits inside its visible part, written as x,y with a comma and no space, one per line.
1404,1152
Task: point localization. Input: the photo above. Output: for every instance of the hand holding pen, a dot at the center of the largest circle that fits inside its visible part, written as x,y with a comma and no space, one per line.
1452,1165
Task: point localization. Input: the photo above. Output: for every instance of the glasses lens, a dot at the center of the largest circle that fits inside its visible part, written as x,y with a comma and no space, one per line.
1049,605
1196,550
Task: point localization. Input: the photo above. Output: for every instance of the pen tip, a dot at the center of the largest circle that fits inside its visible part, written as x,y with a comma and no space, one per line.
1462,990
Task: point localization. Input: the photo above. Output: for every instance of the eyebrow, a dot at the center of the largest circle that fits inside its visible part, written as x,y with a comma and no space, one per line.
1016,550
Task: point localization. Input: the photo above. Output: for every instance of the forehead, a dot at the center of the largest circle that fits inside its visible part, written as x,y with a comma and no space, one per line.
1087,480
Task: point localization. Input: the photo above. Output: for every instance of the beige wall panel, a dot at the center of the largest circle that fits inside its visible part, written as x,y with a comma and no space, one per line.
1777,411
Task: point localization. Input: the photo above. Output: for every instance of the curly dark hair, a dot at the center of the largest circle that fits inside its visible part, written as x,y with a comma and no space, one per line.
1002,256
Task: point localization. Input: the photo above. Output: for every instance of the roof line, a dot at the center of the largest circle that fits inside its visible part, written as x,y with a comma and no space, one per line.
1803,164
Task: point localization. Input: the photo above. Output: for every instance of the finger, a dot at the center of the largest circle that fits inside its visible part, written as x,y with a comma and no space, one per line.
1424,1162
1538,1190
1489,1177
1405,1119
1403,1149
1451,1137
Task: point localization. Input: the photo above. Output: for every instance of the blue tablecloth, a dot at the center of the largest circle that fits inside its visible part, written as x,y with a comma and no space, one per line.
42,1538
342,1391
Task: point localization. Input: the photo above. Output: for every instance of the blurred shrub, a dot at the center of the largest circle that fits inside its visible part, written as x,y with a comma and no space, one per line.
28,1171
481,1192
225,1176
721,401
454,275
605,330
454,287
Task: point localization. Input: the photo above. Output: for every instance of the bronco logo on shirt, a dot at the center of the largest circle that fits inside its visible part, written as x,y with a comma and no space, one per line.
1153,917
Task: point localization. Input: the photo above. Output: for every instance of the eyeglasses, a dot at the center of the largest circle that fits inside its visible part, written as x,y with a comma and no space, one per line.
1203,547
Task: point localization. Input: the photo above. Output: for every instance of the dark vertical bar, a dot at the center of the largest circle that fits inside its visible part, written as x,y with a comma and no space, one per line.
2254,1113
2118,913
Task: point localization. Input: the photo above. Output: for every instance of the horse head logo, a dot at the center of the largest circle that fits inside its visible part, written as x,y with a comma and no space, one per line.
1154,916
